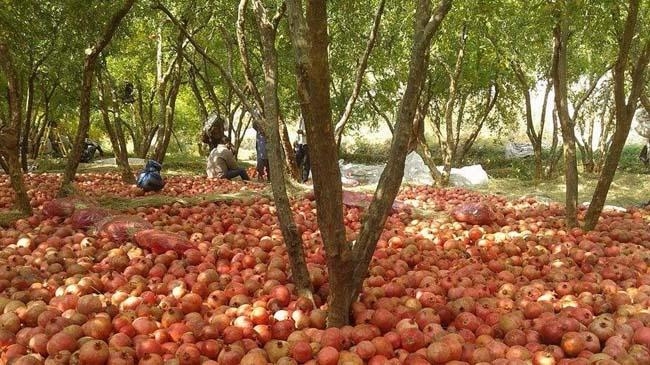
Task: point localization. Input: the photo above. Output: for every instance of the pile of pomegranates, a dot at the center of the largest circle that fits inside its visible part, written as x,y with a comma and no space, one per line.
520,289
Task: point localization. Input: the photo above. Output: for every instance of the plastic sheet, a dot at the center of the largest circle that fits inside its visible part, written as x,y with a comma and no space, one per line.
519,150
415,172
643,123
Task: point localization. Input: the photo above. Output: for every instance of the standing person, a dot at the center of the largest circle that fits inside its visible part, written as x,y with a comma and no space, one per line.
223,164
263,171
302,152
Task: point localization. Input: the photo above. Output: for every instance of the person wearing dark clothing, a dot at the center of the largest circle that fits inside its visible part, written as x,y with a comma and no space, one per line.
150,178
263,171
223,164
302,152
88,153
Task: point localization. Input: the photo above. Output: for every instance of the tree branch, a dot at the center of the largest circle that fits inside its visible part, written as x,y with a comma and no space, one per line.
361,69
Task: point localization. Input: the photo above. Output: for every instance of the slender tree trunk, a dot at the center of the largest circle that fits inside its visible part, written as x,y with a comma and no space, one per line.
559,72
449,144
45,123
271,124
168,126
10,133
26,130
84,102
624,109
114,129
289,155
490,102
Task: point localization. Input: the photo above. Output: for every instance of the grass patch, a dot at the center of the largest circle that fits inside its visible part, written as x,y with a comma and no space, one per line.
8,218
124,204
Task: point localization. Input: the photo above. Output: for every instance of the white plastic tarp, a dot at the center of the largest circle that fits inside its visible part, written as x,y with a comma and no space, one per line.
518,150
415,172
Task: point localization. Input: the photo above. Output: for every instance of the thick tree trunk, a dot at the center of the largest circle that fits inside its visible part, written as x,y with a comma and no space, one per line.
84,100
624,109
348,263
559,74
10,133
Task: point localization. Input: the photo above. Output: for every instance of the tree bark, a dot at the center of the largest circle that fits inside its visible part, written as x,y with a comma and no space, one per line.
624,109
10,133
271,126
113,128
534,136
559,74
26,129
84,100
348,262
490,101
449,146
46,121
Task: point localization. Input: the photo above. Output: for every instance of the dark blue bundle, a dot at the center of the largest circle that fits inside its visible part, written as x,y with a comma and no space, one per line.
150,179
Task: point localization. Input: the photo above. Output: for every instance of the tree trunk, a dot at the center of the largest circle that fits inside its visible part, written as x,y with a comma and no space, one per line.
289,154
490,101
271,124
449,145
107,102
26,130
84,100
559,73
10,133
169,111
624,109
46,121
348,263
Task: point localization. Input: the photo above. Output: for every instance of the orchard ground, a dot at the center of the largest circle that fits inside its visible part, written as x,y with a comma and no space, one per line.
197,273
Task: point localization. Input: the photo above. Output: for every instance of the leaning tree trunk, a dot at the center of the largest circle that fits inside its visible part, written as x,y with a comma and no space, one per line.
624,109
271,123
10,133
84,100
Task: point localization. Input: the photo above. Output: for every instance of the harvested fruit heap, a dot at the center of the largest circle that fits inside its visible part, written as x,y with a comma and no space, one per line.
211,284
43,187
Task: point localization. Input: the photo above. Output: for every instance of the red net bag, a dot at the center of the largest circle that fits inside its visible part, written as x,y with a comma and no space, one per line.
120,228
474,213
160,242
87,217
64,207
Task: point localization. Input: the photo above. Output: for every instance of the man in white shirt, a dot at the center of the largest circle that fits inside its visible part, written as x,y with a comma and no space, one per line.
302,152
223,164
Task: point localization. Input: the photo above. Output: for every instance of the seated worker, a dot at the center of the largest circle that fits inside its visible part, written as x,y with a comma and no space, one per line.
222,162
88,153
